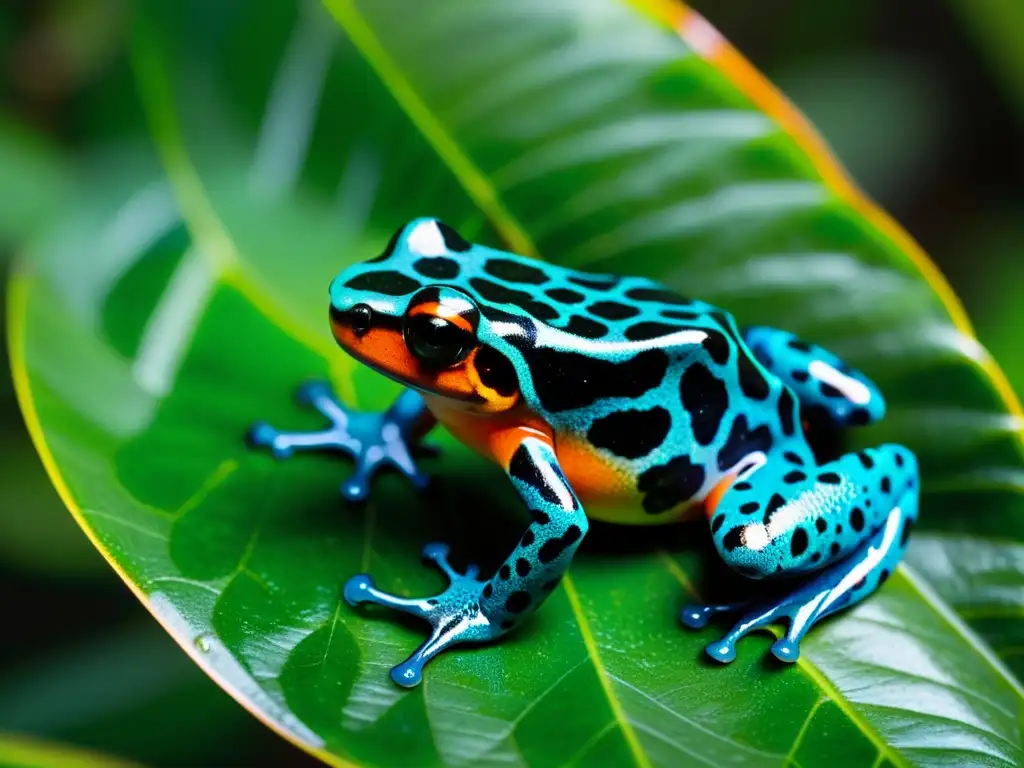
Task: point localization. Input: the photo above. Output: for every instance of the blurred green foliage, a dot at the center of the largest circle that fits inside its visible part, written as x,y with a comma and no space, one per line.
923,101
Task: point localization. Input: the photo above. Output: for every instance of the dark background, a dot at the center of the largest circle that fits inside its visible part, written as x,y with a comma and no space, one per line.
923,100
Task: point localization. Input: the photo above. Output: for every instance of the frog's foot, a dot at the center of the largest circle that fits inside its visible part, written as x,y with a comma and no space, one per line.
836,587
374,440
455,614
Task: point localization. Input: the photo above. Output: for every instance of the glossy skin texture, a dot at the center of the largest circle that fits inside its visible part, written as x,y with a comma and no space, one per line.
616,396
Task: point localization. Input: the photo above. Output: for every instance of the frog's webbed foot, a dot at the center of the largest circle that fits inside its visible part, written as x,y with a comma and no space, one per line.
455,614
373,440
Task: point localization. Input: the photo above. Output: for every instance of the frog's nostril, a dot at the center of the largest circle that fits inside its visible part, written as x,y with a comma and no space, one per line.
360,318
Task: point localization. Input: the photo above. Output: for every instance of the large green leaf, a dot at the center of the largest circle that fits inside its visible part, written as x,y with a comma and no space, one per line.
166,316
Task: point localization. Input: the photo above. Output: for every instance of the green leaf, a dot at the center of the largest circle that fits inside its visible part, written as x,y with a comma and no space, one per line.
587,132
23,752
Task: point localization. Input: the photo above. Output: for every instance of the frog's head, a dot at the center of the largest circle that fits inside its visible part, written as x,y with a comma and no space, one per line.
408,314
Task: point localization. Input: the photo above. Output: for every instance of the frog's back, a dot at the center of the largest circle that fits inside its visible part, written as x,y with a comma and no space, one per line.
653,398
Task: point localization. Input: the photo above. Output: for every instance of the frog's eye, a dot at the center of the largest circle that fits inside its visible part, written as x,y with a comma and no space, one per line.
440,327
437,342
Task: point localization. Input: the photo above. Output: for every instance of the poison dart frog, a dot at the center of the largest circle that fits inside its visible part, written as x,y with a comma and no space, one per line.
617,399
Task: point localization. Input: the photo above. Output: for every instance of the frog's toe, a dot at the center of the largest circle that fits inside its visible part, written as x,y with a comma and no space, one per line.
722,651
696,616
357,589
356,487
312,392
262,435
786,649
408,674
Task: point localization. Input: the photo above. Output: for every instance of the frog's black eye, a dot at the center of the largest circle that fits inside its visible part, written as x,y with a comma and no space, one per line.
437,342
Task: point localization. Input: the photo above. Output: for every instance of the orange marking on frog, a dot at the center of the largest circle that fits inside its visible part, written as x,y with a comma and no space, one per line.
714,497
592,476
493,436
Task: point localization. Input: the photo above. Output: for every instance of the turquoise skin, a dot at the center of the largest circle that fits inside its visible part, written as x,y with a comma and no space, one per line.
616,395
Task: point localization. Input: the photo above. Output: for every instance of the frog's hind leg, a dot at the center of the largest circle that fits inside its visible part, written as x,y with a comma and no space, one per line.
842,526
821,381
374,440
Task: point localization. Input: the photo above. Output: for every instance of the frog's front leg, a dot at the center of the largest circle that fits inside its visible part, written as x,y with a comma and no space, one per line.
842,526
476,611
374,440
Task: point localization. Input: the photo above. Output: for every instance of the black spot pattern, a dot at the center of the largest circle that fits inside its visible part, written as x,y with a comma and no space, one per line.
585,327
552,548
866,460
504,573
613,310
523,468
522,567
799,346
706,399
660,295
496,372
502,295
515,272
717,346
859,417
743,441
829,391
386,281
749,508
820,524
631,434
733,539
857,519
899,460
528,538
669,485
540,517
517,602
830,478
793,458
742,486
650,330
787,413
437,267
777,502
886,485
453,241
565,295
798,542
595,282
908,525
488,590
752,382
801,376
567,380
795,476
834,549
717,523
680,314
